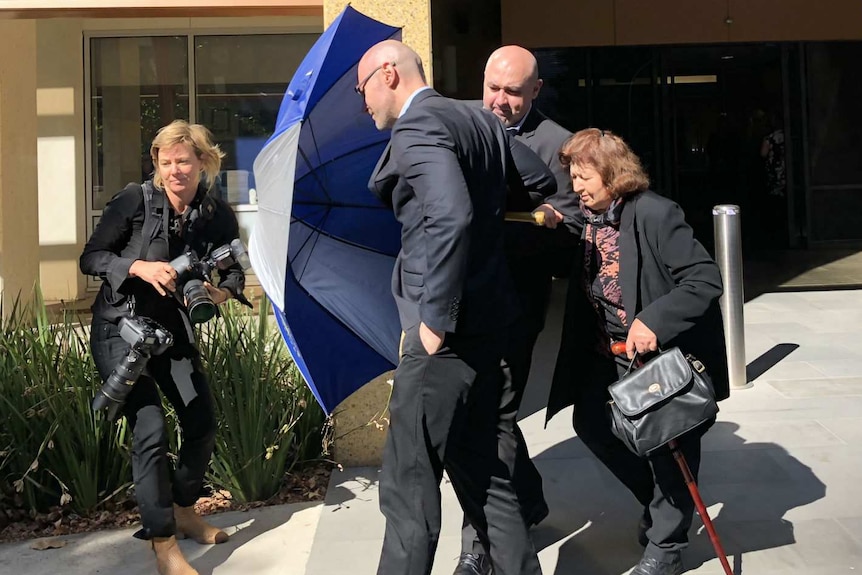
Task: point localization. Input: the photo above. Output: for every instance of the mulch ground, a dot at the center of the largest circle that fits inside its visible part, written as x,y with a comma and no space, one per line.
306,484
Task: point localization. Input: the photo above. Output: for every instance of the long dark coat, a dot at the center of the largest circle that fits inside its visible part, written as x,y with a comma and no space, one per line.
668,281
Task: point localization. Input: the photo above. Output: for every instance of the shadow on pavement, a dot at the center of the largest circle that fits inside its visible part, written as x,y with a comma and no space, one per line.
749,486
768,360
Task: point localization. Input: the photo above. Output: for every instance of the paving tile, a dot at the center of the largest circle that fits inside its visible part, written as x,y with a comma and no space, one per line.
840,300
849,429
789,433
778,329
824,387
741,465
853,526
836,465
823,351
789,368
338,557
838,367
782,301
819,543
818,546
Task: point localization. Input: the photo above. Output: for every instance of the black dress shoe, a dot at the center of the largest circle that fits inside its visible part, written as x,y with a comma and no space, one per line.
652,566
473,564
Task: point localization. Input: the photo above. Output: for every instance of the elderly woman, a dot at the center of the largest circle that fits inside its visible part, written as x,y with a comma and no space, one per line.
640,278
138,281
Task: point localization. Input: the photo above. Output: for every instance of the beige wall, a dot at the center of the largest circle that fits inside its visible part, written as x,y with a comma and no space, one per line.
19,261
60,121
561,23
414,16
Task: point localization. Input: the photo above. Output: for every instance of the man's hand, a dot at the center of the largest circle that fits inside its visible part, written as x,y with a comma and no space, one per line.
160,275
641,338
551,216
432,339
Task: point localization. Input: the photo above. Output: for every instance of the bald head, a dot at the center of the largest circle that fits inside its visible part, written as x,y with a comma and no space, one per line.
388,73
519,61
409,62
511,83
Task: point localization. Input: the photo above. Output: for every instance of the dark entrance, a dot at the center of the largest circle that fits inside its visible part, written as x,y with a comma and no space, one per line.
698,116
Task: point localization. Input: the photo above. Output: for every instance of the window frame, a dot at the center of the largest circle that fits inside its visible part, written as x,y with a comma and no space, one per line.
93,214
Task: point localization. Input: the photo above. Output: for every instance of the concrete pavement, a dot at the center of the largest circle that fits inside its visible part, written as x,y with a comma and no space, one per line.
781,472
781,475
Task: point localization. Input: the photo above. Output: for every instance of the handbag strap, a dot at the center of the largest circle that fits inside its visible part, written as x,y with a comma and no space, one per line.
629,369
631,363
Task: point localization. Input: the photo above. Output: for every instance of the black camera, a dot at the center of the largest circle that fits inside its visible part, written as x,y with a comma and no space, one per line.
146,338
192,272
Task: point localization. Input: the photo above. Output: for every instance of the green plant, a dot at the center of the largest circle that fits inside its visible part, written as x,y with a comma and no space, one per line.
268,419
55,450
59,451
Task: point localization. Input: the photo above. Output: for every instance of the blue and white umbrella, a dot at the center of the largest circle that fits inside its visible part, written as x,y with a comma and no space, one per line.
323,246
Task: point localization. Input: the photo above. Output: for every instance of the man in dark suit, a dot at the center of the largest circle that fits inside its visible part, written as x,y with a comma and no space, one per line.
535,255
445,173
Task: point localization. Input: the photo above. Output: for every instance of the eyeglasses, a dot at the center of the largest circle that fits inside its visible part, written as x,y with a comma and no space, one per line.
360,87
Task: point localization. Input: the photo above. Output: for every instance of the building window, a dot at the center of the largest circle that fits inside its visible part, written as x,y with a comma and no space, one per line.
137,85
231,83
240,82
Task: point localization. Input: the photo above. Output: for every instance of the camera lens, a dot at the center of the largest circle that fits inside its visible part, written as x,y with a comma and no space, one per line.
117,387
198,301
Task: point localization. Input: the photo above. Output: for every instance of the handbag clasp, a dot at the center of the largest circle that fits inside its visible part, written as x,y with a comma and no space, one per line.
696,363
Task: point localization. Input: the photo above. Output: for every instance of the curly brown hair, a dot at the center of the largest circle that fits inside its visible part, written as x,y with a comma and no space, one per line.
608,154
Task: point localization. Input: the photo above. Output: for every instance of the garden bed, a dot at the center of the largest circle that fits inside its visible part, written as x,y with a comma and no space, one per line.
306,484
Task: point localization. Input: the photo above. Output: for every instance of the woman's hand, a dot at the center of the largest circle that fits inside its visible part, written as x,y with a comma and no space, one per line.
218,295
160,275
551,217
640,339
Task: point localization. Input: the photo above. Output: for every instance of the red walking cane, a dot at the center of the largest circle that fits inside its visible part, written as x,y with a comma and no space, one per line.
619,348
701,508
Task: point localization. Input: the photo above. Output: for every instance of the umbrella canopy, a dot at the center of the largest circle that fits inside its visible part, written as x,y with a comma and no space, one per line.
323,246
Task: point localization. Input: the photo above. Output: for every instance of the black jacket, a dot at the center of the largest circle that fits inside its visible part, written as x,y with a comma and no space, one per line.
446,173
116,243
668,281
546,137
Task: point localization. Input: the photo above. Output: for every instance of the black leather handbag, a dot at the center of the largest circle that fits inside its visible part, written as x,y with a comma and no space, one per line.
668,396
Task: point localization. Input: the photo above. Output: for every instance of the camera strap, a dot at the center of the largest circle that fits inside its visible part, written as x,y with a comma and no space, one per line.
203,210
154,214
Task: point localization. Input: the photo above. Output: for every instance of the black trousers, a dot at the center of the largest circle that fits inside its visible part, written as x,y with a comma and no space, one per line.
445,415
512,446
657,482
155,490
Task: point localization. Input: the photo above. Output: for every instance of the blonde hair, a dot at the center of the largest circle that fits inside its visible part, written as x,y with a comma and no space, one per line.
619,167
199,139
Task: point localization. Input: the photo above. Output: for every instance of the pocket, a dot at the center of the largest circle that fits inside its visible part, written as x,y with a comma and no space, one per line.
412,278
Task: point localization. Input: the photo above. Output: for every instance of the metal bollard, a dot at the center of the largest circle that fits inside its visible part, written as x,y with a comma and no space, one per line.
728,255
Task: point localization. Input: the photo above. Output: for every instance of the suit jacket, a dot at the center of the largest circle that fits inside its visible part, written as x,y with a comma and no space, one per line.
668,281
445,173
545,137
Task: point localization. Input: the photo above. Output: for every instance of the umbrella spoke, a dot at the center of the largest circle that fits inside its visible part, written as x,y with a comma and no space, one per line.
314,173
315,235
320,232
313,137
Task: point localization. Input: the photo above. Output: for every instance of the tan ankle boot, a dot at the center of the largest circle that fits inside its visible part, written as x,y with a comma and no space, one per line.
169,558
190,524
